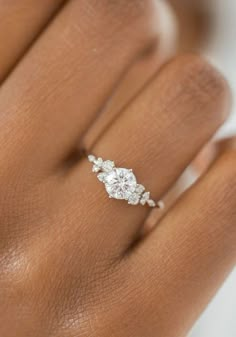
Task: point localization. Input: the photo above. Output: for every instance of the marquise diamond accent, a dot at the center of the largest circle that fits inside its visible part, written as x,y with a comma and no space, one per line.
121,183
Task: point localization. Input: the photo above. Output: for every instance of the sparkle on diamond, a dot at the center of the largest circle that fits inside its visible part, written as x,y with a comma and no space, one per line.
120,183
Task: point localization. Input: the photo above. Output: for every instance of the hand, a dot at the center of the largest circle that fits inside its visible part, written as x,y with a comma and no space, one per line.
70,261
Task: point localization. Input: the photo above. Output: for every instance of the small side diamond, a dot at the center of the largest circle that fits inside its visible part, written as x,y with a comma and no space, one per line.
145,198
91,158
134,199
96,168
97,165
151,203
108,165
161,204
140,189
99,162
101,176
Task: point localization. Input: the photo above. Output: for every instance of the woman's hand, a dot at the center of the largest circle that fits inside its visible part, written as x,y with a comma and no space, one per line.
70,262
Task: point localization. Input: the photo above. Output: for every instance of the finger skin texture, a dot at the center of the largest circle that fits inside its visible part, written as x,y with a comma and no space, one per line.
20,24
70,262
185,260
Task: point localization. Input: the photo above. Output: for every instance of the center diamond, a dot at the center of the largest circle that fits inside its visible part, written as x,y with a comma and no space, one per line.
120,183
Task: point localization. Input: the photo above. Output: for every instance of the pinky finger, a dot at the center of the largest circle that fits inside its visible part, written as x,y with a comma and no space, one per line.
178,268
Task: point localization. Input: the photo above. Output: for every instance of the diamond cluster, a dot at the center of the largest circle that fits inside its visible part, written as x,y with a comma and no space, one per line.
121,183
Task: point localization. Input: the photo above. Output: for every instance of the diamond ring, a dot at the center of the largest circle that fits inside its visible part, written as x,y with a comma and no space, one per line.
121,183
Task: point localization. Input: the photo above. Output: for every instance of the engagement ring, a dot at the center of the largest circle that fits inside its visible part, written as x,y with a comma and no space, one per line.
121,183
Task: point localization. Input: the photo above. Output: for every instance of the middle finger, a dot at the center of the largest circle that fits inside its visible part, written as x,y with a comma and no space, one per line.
62,83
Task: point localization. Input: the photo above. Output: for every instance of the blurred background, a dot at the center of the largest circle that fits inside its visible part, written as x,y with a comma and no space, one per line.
209,27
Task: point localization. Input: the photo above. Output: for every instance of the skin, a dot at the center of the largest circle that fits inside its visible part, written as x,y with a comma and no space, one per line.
70,261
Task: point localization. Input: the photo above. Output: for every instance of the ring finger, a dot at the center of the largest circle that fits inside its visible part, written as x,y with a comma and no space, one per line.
155,136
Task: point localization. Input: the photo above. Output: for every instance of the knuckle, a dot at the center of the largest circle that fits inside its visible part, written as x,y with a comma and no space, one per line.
205,85
201,70
128,28
136,21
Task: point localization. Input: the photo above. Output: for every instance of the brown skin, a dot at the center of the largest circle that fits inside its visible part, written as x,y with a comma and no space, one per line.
21,23
70,264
